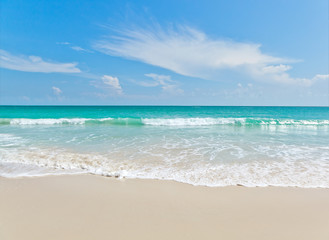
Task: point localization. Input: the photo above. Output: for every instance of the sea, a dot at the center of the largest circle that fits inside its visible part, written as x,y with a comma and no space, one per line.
199,145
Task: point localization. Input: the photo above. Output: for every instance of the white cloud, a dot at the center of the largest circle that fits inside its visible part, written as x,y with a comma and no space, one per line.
57,91
34,64
112,83
75,48
164,81
190,52
321,77
278,74
80,49
275,69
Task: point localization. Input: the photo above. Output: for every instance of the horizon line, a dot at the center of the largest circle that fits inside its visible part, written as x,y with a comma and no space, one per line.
81,105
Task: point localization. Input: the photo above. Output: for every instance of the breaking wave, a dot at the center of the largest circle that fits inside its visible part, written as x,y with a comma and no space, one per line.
165,121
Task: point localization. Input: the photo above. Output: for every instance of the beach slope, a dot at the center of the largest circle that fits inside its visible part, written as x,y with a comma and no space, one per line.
93,207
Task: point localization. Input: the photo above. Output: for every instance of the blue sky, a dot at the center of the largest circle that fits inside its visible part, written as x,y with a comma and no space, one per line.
164,52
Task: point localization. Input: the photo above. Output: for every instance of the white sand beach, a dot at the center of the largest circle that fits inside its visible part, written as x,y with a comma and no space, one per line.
94,207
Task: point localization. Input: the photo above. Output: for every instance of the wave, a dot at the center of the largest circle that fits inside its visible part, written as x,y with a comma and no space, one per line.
71,121
230,121
285,173
164,121
198,160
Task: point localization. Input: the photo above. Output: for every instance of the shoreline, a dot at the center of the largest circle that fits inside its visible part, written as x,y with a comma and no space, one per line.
89,207
118,177
14,170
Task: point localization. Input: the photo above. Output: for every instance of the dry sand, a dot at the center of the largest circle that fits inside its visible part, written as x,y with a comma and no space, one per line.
92,207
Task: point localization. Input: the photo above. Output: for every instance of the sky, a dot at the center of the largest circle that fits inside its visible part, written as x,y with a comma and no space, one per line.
146,52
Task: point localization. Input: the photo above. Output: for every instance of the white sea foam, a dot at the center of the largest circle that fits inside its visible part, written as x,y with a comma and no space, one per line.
154,165
10,140
230,121
15,170
207,121
193,121
206,157
47,121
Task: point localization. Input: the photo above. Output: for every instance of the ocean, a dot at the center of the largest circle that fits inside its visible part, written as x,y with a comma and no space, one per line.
209,146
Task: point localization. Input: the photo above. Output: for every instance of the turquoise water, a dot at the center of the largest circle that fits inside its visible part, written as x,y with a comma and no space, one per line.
212,146
97,112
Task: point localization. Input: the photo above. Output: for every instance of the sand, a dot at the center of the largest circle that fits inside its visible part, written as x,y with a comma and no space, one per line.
94,207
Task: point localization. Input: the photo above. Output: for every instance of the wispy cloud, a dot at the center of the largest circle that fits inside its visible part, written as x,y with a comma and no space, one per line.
57,91
34,64
80,49
74,47
321,77
190,52
166,83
